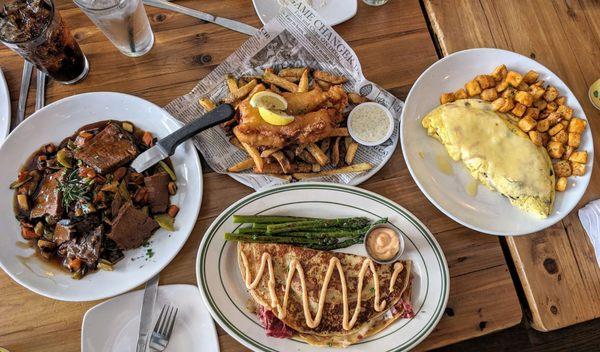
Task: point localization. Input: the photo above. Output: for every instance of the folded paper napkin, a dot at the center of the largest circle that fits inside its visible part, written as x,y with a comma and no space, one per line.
590,220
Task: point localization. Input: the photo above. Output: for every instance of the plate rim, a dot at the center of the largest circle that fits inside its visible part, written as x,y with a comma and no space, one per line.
423,333
196,165
4,85
586,180
264,21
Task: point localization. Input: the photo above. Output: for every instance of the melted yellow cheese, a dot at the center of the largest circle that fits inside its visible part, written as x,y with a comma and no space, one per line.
496,152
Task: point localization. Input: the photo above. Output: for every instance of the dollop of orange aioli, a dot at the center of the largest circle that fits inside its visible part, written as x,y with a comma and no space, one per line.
383,243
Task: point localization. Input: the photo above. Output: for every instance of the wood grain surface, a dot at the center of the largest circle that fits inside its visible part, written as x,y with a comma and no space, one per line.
557,267
394,47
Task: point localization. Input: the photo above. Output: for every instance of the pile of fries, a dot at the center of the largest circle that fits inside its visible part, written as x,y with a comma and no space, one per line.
331,155
537,110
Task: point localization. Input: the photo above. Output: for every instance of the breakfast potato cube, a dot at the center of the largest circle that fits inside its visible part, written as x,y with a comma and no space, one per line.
532,112
500,73
544,114
562,168
485,81
489,94
536,137
519,110
555,149
574,139
565,123
578,169
509,93
552,106
524,98
530,77
568,152
545,138
524,87
550,94
561,100
561,137
498,103
514,78
565,111
577,125
527,124
554,130
447,98
536,92
561,184
500,87
579,157
473,88
540,104
554,118
543,125
460,94
508,105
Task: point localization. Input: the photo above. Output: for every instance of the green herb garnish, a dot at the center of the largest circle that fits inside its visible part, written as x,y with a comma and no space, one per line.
73,188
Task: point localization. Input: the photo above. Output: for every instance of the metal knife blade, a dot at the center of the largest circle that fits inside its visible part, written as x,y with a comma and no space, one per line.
25,81
224,22
149,158
40,90
150,293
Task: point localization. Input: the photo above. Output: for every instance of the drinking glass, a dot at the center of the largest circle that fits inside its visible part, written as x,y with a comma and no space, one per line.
375,2
35,30
123,22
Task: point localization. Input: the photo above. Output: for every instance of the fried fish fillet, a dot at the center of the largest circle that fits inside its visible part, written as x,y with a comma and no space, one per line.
316,114
496,152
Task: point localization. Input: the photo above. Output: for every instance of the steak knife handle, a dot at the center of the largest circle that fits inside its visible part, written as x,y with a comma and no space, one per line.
222,113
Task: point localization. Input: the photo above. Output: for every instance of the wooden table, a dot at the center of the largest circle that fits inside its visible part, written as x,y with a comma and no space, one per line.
394,46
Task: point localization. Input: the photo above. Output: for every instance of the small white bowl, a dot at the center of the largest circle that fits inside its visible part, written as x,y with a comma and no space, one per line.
400,246
390,126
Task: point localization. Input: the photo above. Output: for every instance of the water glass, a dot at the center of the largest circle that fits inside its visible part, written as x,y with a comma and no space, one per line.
123,22
375,2
35,30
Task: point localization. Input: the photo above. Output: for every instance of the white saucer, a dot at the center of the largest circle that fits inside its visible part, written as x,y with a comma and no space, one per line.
113,325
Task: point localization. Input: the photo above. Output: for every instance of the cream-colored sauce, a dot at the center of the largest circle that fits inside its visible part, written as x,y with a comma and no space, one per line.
334,264
369,123
442,163
383,243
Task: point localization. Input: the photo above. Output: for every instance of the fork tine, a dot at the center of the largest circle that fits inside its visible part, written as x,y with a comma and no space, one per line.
172,323
164,322
160,318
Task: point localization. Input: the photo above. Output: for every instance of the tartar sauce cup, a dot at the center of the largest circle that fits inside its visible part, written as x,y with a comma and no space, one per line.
370,123
373,230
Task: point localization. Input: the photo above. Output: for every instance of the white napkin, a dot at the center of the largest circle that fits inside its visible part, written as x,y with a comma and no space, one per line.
590,220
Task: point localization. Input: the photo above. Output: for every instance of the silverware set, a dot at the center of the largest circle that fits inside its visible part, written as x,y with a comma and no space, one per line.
40,91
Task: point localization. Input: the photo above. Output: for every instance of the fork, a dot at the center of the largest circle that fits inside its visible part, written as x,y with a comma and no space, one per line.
163,328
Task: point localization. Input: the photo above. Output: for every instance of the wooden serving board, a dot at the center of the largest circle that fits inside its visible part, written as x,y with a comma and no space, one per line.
557,267
394,47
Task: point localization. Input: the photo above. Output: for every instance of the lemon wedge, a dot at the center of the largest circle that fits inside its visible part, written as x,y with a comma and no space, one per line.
268,100
275,117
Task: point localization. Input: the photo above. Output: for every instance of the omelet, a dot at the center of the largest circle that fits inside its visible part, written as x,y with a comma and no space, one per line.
496,152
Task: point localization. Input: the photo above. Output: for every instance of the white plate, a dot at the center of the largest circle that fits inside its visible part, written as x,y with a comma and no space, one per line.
4,108
225,295
332,11
57,121
488,211
114,325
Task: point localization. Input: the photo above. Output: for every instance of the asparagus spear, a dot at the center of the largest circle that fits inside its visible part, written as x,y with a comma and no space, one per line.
265,219
341,244
279,239
348,223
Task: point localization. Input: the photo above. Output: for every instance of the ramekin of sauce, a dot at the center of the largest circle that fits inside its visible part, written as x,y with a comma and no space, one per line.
370,124
384,243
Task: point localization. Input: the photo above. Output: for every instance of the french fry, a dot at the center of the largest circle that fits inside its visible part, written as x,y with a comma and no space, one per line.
273,88
241,92
328,77
231,84
268,152
307,157
259,88
269,168
236,142
342,170
288,178
325,144
351,152
292,72
316,167
335,151
303,84
323,85
283,162
292,79
356,98
242,165
339,132
269,77
299,149
255,155
207,104
321,157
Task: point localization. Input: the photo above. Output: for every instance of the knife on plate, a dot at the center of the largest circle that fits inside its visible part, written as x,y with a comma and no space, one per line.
25,81
150,293
224,22
166,146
